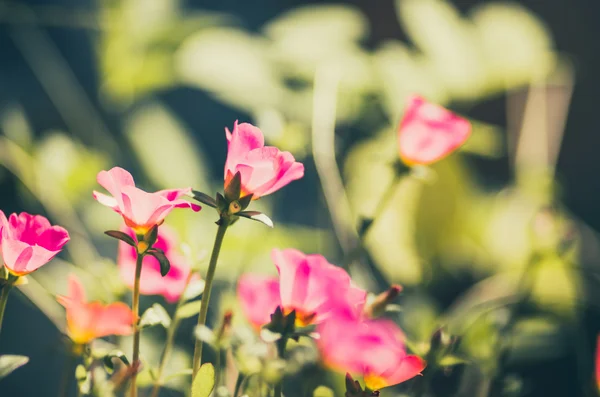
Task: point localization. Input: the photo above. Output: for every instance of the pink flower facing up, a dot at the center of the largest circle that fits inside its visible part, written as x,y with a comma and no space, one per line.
29,241
140,210
313,287
88,321
152,282
263,169
259,297
370,348
428,132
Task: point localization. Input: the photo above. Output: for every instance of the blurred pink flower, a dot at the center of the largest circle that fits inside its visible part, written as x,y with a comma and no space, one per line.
314,287
598,362
88,321
428,132
140,210
259,297
263,169
170,286
371,348
29,242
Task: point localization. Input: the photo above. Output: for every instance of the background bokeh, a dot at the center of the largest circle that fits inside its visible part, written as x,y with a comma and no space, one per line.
150,85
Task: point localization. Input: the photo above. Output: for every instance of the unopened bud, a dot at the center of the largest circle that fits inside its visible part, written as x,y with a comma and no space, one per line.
378,306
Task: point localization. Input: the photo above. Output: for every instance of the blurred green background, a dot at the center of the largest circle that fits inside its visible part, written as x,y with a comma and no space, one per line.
150,85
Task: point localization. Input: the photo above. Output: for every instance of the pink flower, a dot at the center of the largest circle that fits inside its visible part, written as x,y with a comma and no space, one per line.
140,210
371,348
151,282
259,297
428,132
263,169
598,362
29,241
88,321
313,287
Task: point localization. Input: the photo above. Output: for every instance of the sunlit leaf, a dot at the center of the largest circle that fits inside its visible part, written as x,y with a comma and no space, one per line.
189,309
256,216
194,289
155,315
11,362
204,381
323,391
115,354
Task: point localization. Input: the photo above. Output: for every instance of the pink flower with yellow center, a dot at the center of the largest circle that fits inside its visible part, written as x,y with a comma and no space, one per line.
370,348
428,132
313,287
87,321
263,169
140,210
152,282
29,241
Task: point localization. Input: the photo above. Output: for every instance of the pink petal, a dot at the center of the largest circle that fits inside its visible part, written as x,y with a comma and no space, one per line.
259,297
53,238
143,209
114,319
108,201
428,132
174,194
244,138
409,367
114,180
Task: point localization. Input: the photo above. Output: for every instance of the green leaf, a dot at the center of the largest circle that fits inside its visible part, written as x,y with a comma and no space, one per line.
10,362
221,203
234,188
124,237
194,289
323,391
451,360
204,198
155,315
256,216
189,309
205,334
108,359
204,381
159,254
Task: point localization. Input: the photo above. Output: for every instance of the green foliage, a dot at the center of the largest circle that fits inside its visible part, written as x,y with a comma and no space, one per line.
11,362
204,381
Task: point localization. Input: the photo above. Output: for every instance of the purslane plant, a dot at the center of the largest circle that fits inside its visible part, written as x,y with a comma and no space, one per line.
309,294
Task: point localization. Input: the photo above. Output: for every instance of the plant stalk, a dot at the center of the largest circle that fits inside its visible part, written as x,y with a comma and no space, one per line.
3,299
210,275
136,333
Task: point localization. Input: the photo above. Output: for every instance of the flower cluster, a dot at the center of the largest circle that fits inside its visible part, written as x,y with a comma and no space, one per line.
308,291
323,294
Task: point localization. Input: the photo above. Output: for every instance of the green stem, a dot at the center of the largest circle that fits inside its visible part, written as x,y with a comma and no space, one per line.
210,275
3,300
238,384
67,375
281,352
136,333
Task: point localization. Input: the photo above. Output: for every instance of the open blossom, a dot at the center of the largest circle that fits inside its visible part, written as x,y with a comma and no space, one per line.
259,297
140,210
90,320
29,242
371,348
263,169
313,287
428,132
152,282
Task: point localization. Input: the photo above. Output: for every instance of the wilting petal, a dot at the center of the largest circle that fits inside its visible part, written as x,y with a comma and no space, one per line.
428,132
259,297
